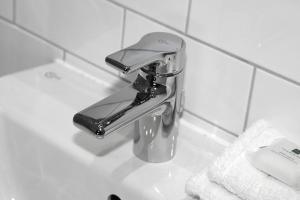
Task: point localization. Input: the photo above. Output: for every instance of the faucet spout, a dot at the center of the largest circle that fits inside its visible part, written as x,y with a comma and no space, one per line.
121,108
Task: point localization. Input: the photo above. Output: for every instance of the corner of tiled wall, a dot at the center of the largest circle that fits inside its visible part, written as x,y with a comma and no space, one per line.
20,49
242,61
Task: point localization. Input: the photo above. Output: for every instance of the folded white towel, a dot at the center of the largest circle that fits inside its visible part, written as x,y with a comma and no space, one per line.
199,186
237,175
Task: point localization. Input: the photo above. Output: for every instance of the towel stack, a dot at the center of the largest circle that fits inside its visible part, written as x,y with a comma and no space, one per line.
232,177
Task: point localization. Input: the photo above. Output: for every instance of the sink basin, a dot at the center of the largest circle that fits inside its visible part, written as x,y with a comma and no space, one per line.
43,156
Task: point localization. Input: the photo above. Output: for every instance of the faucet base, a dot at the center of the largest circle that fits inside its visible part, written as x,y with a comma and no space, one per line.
155,135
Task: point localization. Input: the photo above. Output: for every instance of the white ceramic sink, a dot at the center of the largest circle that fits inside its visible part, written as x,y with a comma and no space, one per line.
43,156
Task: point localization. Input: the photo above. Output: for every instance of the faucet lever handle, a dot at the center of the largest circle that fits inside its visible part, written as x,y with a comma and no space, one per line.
158,47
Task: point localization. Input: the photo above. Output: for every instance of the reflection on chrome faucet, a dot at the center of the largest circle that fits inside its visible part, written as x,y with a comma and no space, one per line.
154,101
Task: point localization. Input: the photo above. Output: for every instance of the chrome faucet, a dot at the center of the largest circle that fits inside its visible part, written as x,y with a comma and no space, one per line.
154,100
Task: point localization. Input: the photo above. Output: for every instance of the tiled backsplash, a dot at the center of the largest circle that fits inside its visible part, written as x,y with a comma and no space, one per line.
242,56
20,50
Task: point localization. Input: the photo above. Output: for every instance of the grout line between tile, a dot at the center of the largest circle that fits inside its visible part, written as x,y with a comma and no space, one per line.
64,55
5,20
59,47
123,28
245,61
14,3
145,16
211,123
39,37
187,23
94,64
123,35
249,99
208,44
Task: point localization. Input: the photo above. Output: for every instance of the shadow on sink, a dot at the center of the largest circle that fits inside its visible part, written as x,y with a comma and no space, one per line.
127,168
102,147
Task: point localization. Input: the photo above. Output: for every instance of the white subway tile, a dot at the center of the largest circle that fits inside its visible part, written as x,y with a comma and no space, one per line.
91,29
217,86
265,32
6,9
170,12
277,101
137,26
218,134
20,50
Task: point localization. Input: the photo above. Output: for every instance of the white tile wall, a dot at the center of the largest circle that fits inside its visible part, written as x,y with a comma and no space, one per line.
170,12
219,134
113,81
91,29
20,50
217,87
221,83
265,32
137,26
222,38
277,101
6,9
